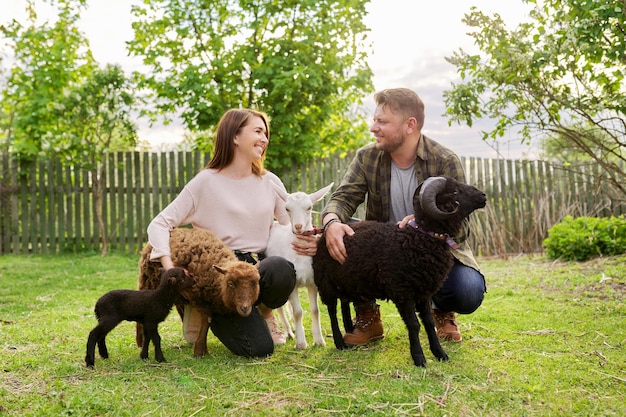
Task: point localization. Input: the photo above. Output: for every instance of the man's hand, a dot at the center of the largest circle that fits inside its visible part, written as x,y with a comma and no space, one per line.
406,220
334,240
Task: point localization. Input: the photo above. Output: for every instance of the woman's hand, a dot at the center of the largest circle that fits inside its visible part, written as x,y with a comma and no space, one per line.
305,245
166,262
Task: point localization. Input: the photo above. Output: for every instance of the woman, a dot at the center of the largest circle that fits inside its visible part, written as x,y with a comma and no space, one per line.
233,197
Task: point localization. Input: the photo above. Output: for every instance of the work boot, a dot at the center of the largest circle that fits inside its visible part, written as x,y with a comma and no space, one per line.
192,319
367,326
447,328
278,336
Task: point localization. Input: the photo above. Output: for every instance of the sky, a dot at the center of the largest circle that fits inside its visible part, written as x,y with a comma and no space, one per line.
410,38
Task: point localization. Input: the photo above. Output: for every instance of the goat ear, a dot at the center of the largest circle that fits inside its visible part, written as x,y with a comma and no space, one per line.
220,269
280,191
319,194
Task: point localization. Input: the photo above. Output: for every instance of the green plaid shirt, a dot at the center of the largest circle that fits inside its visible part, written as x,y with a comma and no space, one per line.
369,175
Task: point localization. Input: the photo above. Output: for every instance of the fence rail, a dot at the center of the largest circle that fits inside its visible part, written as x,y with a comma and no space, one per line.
47,207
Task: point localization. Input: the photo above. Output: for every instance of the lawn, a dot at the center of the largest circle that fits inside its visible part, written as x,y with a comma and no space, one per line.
549,340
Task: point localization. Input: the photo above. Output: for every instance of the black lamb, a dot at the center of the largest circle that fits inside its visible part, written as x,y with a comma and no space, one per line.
405,265
148,307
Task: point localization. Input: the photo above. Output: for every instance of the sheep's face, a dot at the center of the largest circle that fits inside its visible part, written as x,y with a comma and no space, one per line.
177,278
181,279
453,202
240,287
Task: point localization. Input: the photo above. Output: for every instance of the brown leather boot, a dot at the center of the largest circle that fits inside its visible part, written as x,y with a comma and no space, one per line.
367,327
447,328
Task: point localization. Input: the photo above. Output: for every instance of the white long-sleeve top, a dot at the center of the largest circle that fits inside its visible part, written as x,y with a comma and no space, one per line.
239,211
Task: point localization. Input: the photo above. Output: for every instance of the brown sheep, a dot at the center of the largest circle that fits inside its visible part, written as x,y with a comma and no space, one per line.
223,284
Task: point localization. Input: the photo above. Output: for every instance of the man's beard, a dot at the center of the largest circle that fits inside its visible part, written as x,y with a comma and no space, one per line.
390,145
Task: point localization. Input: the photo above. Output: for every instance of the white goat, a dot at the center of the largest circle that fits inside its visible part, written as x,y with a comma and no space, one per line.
299,206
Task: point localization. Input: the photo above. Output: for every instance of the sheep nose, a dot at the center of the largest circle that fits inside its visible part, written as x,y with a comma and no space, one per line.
298,227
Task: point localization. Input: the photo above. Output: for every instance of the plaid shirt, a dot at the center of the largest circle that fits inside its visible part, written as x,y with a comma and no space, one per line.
369,174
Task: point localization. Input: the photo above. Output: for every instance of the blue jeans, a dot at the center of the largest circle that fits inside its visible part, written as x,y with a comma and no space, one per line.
463,290
250,336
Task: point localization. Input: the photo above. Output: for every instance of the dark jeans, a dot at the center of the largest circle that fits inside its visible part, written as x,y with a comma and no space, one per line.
250,336
463,290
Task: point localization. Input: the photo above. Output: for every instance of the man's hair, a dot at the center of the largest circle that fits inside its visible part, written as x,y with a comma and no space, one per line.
404,101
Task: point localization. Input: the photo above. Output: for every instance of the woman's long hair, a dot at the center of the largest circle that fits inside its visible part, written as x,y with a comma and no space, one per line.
228,127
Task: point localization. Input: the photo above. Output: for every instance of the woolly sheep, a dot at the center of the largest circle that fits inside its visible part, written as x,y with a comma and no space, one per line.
223,284
146,307
405,265
299,206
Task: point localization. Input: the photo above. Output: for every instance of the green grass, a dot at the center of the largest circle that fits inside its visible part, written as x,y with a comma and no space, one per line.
549,340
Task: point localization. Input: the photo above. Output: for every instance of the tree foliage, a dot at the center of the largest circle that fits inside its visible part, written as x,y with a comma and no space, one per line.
560,74
303,62
95,118
47,59
57,102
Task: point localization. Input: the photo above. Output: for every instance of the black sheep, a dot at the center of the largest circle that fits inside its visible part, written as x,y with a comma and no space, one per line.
148,307
405,265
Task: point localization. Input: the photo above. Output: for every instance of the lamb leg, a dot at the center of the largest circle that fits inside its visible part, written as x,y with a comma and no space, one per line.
407,312
334,324
429,325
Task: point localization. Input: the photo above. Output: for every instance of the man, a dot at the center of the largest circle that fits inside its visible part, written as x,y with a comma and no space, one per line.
387,172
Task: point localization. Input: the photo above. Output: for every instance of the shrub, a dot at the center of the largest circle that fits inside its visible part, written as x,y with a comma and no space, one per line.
586,237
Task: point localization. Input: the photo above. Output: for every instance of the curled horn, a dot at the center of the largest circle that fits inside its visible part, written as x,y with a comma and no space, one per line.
428,198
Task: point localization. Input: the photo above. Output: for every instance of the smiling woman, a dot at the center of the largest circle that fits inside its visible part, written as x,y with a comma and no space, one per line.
234,197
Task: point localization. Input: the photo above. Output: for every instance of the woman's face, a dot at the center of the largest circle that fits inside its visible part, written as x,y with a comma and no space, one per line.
252,139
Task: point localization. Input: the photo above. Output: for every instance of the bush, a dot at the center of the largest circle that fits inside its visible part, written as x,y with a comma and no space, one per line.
586,237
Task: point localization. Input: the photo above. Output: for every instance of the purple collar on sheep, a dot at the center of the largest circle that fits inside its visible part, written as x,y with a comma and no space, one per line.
440,236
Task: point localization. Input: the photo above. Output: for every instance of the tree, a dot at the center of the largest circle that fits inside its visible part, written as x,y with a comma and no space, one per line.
94,119
47,60
303,62
561,74
58,102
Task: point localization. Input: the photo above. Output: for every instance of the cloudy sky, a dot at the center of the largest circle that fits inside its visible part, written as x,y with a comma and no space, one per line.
410,40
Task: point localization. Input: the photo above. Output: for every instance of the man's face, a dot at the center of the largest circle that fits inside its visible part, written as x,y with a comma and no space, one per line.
388,129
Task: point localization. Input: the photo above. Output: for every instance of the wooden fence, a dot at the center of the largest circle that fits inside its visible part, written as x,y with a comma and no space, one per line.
49,208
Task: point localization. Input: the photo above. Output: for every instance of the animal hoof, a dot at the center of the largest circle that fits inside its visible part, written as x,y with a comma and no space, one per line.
420,361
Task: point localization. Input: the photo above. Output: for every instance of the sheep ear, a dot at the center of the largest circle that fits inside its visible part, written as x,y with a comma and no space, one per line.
317,196
220,269
281,193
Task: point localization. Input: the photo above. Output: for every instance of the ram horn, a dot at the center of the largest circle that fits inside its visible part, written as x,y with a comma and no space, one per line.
428,198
